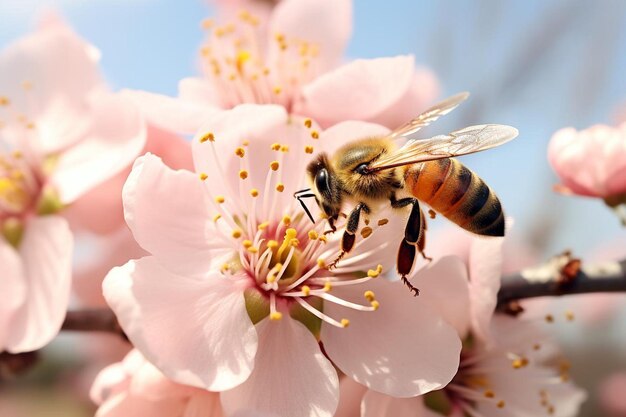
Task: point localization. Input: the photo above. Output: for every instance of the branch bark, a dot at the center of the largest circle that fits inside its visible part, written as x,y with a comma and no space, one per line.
554,279
95,320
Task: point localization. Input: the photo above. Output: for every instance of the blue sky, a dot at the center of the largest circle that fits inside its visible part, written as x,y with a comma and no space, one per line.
535,65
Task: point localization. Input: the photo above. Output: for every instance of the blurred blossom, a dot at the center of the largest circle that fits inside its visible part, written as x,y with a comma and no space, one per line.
134,387
520,375
612,396
292,56
235,296
62,133
591,162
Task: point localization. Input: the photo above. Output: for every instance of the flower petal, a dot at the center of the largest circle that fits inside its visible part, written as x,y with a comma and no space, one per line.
116,137
344,132
170,113
42,73
402,349
198,90
485,265
350,396
46,251
196,331
12,287
125,405
100,210
376,404
324,24
444,280
167,212
204,404
288,356
422,93
359,90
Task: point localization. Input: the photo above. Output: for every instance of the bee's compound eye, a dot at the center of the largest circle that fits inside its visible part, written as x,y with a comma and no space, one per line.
362,169
321,181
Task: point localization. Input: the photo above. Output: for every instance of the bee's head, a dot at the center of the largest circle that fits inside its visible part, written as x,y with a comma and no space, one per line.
325,186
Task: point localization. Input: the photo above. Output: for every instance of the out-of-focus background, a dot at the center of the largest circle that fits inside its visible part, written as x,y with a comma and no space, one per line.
536,65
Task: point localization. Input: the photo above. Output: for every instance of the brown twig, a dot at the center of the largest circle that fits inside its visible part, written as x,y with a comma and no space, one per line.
548,280
94,320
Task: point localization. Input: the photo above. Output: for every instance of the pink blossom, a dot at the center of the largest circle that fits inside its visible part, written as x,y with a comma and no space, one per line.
520,375
134,387
292,56
235,296
61,134
590,162
612,395
517,370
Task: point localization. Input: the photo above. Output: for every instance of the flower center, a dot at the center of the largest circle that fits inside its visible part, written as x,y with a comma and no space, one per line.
244,68
278,251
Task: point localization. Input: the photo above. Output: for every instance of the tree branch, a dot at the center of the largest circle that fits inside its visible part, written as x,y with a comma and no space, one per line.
94,320
563,275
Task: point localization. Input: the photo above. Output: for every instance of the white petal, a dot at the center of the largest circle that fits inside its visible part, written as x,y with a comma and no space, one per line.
291,376
195,330
403,349
46,251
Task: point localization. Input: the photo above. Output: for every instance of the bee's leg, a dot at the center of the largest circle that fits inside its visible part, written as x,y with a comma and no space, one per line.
331,223
349,235
413,239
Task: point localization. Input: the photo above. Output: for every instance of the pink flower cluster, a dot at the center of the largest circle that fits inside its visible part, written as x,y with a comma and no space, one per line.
214,272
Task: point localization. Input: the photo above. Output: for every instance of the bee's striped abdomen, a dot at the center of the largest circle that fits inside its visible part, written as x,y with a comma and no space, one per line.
457,193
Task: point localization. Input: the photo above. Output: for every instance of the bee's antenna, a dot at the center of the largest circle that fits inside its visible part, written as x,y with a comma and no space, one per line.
301,191
300,197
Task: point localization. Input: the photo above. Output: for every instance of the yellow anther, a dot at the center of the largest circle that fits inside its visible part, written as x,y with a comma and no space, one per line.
323,239
272,244
17,154
263,225
383,222
536,346
328,286
4,101
287,220
253,249
247,243
345,323
207,23
519,363
289,240
217,217
275,146
207,136
243,174
308,123
225,267
242,57
27,85
266,71
245,143
220,199
254,192
549,318
308,149
284,148
274,165
306,290
240,152
205,51
277,90
373,273
313,235
490,394
270,279
366,232
369,295
236,233
30,125
569,316
551,409
375,304
280,187
276,315
232,77
203,176
315,134
321,263
500,404
279,37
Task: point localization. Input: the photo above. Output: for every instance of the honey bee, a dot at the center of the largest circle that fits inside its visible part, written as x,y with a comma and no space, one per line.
374,170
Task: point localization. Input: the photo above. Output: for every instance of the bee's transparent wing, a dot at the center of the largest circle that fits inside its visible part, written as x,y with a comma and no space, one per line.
429,116
461,142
